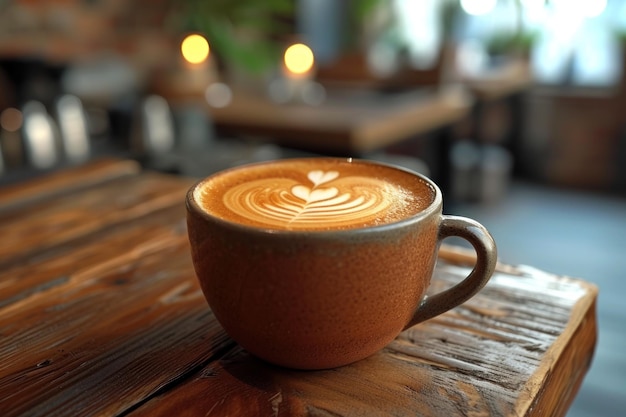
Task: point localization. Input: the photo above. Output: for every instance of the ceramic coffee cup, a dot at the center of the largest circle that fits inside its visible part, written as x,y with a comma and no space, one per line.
316,263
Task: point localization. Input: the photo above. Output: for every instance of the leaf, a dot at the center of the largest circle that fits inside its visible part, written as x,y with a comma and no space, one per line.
362,8
253,55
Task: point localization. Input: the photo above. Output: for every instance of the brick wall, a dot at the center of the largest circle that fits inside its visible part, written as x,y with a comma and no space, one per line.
68,30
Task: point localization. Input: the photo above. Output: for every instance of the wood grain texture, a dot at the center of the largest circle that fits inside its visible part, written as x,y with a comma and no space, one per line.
102,315
14,196
85,305
63,216
103,326
491,356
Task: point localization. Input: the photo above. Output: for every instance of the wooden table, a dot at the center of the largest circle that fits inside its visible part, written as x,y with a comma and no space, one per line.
506,84
501,82
349,123
101,314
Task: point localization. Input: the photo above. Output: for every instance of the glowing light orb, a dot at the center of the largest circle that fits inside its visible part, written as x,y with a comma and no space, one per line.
195,49
299,59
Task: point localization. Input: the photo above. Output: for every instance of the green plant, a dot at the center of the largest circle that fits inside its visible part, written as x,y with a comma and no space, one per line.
242,33
247,34
504,43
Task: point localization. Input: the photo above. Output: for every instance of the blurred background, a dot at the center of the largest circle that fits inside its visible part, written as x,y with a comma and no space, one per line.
517,108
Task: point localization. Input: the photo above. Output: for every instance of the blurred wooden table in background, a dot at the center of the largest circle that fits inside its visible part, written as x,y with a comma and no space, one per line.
352,123
101,314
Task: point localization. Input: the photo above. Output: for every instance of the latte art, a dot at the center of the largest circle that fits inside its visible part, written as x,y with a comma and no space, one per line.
328,199
313,194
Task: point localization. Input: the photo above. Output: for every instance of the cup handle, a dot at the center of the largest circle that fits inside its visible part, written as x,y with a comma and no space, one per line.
486,258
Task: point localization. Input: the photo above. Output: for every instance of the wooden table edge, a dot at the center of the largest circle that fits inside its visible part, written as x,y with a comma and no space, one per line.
513,78
456,106
360,133
535,397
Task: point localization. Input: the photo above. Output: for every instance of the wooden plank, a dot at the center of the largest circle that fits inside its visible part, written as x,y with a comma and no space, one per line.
122,319
60,218
25,281
553,387
489,357
63,181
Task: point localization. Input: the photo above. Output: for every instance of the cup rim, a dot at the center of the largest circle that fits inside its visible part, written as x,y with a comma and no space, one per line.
435,205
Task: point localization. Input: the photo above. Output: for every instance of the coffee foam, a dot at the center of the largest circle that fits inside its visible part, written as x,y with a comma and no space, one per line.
314,194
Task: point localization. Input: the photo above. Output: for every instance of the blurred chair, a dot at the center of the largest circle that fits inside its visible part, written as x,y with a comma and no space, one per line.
196,130
154,135
73,128
159,135
184,141
39,133
11,123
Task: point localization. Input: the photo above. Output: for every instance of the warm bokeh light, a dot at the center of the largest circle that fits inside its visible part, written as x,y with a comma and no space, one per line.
299,59
11,119
195,49
218,95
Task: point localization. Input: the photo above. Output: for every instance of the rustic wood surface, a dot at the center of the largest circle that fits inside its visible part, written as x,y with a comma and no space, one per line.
65,181
103,316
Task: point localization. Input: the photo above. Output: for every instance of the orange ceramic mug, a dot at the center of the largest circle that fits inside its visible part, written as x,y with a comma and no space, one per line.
319,262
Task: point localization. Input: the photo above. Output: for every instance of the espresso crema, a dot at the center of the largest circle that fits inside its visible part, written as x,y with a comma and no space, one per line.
314,194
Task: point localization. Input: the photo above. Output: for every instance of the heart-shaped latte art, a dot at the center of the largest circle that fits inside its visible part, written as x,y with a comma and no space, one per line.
286,203
312,196
319,177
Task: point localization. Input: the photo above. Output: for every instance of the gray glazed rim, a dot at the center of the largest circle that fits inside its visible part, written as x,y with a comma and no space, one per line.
434,207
